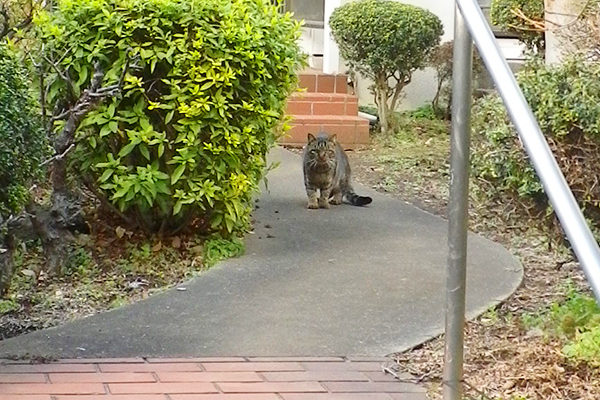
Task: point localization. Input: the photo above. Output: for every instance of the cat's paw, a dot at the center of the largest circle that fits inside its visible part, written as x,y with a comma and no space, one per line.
335,202
324,204
313,205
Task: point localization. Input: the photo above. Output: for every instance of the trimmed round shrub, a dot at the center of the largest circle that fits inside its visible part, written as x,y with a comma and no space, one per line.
186,141
505,14
385,41
22,139
564,99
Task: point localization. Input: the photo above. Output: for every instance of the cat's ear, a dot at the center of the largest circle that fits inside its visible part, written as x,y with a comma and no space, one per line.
311,138
333,138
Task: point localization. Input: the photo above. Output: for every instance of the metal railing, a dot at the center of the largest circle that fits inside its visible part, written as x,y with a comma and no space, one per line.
471,25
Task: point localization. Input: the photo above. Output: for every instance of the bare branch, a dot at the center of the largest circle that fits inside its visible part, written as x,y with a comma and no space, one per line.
60,116
59,156
87,101
63,75
398,90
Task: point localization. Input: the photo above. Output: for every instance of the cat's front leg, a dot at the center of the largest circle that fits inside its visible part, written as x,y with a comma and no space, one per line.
313,204
324,199
336,196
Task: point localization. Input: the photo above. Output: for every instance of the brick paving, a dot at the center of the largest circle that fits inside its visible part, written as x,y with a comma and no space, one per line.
229,378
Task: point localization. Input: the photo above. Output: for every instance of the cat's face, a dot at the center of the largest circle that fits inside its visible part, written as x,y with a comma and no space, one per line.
321,150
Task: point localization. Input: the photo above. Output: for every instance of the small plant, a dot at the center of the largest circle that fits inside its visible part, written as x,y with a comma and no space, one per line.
585,347
385,41
424,112
8,305
218,249
523,17
576,322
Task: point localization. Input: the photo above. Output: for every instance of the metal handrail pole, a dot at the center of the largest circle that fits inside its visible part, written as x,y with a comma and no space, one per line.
580,237
458,208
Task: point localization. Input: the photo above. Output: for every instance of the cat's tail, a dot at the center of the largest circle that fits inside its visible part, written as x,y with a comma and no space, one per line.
355,199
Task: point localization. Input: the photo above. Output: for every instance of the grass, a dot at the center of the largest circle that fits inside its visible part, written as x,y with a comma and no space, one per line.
413,162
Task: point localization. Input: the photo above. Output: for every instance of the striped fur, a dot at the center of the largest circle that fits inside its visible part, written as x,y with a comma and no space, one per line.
327,170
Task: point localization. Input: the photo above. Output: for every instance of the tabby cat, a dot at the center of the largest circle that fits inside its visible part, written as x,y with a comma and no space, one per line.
326,168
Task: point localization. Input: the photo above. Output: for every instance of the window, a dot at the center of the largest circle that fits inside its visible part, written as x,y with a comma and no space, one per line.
311,11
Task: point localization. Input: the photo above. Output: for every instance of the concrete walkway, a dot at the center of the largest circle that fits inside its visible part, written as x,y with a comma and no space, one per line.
346,281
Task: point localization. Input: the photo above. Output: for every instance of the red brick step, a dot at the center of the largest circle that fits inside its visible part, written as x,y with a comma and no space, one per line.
319,82
352,132
322,104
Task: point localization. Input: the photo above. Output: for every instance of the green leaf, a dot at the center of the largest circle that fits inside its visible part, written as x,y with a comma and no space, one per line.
105,130
111,110
177,207
169,116
127,149
121,192
107,174
207,85
161,175
229,224
177,174
144,151
147,195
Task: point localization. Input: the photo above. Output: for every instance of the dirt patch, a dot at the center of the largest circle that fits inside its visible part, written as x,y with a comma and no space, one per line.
106,269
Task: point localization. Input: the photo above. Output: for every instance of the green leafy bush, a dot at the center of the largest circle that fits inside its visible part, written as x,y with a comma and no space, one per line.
564,99
508,15
207,82
22,139
385,41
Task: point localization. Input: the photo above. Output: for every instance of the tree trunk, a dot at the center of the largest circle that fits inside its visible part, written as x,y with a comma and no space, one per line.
383,108
384,118
56,224
55,227
7,248
559,13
